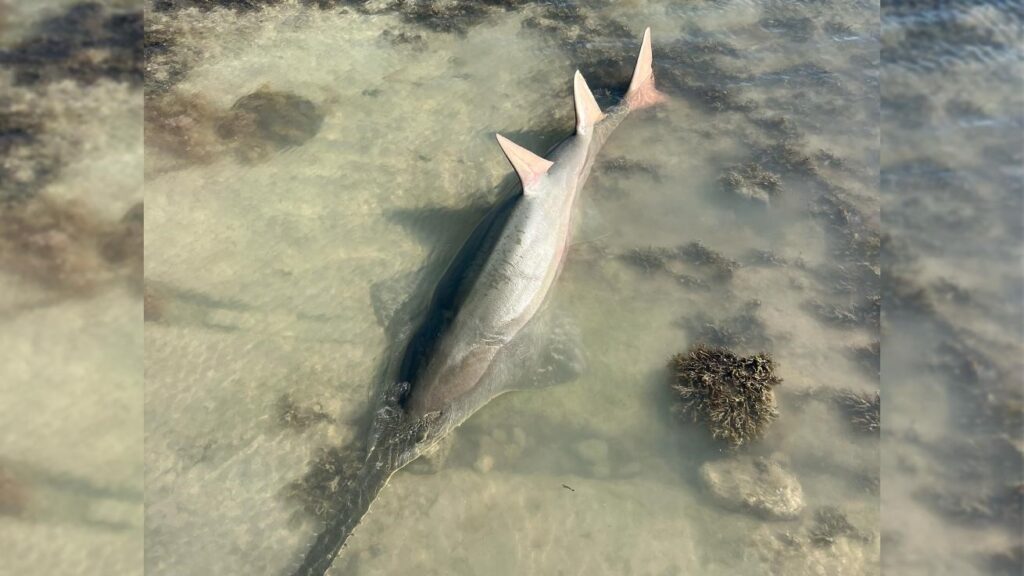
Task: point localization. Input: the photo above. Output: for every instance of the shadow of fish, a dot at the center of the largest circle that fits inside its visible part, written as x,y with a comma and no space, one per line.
490,291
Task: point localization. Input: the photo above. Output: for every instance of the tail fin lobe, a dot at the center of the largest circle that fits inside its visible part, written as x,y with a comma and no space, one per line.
642,92
588,112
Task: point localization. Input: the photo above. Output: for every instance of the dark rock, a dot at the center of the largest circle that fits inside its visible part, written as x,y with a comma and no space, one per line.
267,120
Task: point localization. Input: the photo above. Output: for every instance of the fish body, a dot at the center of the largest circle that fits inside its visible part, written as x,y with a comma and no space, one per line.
494,286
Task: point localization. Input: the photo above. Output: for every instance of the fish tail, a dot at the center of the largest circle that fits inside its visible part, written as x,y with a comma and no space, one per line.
642,92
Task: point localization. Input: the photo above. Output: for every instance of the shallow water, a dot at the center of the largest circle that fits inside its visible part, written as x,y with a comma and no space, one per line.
268,272
71,390
274,257
952,205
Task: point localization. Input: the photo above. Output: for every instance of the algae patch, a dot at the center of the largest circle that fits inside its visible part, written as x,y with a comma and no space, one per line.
733,395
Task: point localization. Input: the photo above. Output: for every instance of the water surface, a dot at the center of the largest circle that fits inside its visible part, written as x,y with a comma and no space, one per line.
270,266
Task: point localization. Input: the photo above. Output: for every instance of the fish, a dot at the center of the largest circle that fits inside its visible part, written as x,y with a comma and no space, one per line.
491,290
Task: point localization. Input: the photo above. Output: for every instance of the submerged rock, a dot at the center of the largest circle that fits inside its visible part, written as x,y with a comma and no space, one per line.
183,126
762,486
188,128
731,394
267,119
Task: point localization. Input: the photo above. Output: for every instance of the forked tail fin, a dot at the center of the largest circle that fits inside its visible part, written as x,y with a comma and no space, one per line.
642,92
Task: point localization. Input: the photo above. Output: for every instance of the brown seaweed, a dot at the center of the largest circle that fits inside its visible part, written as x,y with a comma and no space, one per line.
732,395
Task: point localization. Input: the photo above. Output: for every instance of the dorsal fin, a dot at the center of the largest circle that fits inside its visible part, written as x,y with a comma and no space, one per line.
588,112
642,92
528,165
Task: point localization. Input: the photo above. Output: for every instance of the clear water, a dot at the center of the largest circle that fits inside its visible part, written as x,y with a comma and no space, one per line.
71,390
288,253
267,273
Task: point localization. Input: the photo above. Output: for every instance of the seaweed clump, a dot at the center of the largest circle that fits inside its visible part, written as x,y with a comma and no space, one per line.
710,266
829,524
863,410
1004,505
751,182
733,395
651,259
869,358
745,330
720,266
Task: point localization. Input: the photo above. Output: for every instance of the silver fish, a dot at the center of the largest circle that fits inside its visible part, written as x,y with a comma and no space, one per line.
493,288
